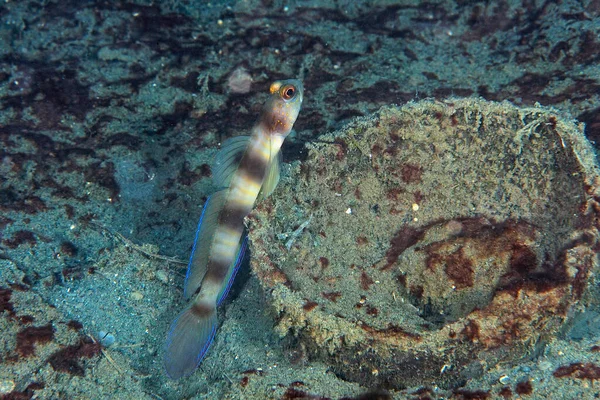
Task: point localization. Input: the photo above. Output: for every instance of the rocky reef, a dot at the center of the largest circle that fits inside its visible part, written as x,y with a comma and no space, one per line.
443,238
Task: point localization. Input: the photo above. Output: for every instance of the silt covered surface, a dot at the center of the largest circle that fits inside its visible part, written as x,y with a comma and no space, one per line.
442,238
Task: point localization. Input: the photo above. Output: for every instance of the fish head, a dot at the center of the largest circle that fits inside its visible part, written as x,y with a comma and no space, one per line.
283,107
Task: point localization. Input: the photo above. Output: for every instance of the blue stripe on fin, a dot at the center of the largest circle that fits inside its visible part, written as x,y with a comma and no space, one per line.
201,249
188,340
233,269
189,267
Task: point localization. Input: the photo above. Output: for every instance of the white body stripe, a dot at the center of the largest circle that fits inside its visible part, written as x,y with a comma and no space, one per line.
225,243
244,190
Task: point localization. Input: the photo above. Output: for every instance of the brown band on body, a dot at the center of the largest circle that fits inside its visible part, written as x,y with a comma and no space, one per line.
233,216
255,166
202,310
273,122
217,271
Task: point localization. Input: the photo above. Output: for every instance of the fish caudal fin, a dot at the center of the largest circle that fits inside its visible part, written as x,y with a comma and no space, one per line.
188,340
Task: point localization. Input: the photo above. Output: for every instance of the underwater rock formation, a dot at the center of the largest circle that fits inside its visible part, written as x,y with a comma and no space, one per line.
443,238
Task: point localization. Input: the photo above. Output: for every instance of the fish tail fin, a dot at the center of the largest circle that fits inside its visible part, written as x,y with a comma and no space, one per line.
188,339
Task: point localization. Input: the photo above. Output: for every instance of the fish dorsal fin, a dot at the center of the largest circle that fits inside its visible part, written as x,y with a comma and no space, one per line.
271,177
201,250
227,160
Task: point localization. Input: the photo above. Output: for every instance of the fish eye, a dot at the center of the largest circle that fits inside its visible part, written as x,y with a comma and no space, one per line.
288,92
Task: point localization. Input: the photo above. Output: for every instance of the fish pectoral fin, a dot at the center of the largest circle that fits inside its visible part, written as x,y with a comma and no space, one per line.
188,340
201,250
227,160
271,177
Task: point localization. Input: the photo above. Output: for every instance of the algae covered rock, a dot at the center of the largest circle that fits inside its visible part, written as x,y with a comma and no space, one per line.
443,238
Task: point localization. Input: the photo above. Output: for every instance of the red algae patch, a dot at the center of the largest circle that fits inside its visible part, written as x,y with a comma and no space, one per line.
579,371
28,337
439,238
